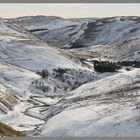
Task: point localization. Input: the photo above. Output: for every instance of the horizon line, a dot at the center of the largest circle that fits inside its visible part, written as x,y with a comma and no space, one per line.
68,17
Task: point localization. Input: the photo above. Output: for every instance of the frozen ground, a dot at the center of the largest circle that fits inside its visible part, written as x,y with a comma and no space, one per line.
107,107
48,91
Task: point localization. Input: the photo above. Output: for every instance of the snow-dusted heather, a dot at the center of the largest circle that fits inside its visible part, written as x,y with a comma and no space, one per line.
107,85
85,121
14,82
48,91
18,120
60,81
25,50
21,56
56,31
43,22
107,107
118,38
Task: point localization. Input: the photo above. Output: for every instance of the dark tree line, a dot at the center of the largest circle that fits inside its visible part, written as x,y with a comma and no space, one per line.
108,66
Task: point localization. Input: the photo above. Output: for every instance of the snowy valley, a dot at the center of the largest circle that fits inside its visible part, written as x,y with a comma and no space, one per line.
48,82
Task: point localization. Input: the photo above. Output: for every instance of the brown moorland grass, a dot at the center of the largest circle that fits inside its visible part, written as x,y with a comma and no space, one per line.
8,131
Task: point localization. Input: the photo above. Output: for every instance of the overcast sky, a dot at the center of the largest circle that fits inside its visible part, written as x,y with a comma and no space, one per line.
69,10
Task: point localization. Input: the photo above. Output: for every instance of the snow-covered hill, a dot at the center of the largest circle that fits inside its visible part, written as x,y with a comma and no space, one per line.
108,38
22,57
107,107
55,31
48,80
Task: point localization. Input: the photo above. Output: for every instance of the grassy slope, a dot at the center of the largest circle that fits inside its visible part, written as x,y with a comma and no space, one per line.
5,130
